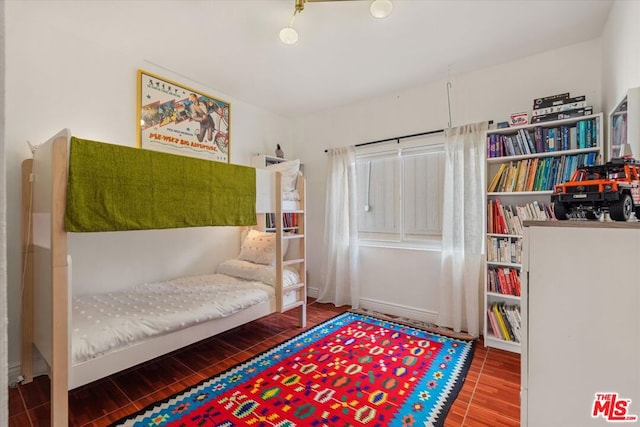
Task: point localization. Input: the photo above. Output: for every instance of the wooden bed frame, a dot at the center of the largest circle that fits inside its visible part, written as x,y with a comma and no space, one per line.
47,289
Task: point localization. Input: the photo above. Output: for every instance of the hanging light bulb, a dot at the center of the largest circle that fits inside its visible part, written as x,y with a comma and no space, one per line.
381,8
288,35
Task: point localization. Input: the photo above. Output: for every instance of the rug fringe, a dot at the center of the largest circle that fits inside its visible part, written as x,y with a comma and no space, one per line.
426,326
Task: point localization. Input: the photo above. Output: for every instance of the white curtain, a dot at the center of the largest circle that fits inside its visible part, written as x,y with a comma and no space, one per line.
339,277
462,228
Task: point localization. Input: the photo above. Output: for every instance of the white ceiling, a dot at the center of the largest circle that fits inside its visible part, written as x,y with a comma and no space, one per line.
343,54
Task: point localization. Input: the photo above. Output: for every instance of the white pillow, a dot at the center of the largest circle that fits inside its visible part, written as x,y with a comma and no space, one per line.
290,171
262,273
260,247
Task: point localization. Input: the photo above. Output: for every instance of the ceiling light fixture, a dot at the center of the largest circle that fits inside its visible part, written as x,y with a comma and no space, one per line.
381,8
288,35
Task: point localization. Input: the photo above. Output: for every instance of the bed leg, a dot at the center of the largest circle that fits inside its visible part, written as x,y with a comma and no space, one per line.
303,316
60,288
27,260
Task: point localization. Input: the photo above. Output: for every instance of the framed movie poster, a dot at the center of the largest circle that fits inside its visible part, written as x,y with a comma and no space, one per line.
177,119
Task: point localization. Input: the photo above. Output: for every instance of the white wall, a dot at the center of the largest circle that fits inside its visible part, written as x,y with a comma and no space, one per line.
403,281
55,80
621,57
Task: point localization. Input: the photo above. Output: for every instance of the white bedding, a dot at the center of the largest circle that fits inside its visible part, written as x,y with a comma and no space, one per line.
262,273
103,322
292,196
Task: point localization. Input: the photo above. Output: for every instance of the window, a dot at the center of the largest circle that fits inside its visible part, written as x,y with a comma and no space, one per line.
400,191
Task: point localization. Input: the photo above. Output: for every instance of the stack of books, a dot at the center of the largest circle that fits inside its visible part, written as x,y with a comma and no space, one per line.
538,174
505,321
558,107
508,219
544,138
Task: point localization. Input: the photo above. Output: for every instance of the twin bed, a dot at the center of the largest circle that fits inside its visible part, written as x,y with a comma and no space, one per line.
83,333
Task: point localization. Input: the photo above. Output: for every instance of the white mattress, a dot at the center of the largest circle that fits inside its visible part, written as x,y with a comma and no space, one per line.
103,322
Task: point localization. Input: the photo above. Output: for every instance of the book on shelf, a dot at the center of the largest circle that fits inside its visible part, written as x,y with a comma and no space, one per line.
490,211
493,323
503,280
539,174
551,139
493,185
548,101
502,326
571,104
504,250
508,219
555,101
505,321
587,133
528,141
513,321
499,219
289,221
523,168
543,139
579,112
515,280
531,174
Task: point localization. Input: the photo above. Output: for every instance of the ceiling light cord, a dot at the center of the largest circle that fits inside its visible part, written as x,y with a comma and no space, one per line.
289,35
295,12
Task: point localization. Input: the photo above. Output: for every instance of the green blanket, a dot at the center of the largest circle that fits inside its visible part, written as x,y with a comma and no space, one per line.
113,187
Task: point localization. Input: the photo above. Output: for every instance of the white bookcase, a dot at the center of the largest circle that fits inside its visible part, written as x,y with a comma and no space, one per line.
522,192
624,124
263,160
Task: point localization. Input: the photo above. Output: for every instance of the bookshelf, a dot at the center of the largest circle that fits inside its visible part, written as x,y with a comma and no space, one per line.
523,164
624,124
264,160
290,220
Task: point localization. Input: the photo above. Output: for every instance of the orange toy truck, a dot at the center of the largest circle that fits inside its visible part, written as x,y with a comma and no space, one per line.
592,190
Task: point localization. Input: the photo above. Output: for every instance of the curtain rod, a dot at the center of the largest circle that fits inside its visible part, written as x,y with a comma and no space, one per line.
398,138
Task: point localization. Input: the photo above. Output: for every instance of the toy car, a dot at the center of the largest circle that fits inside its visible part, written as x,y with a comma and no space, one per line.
592,190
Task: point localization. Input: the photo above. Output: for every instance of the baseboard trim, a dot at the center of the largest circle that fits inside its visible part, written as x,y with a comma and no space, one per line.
40,367
313,292
14,372
399,310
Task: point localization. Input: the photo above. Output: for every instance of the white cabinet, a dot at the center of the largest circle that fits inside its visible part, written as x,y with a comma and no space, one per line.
580,321
522,166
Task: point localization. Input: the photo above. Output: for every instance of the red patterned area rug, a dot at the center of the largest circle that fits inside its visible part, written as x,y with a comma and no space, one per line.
352,370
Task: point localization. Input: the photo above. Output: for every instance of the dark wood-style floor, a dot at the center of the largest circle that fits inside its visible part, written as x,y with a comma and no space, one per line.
489,397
